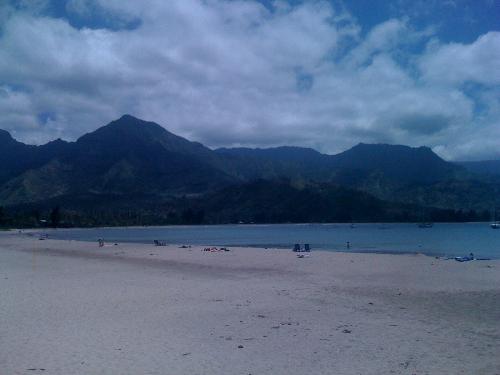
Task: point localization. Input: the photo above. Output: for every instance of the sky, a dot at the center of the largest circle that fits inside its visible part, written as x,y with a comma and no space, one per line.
248,73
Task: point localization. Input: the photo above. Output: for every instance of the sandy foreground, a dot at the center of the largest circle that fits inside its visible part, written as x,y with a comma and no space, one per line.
70,307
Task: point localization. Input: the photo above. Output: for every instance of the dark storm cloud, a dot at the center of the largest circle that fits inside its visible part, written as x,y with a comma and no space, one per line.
422,124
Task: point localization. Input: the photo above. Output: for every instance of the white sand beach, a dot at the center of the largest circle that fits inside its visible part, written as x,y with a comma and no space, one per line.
70,307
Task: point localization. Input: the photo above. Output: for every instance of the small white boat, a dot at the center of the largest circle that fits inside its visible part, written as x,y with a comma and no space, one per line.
495,223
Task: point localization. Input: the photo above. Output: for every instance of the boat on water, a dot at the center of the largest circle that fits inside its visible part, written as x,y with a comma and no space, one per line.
425,221
495,224
425,225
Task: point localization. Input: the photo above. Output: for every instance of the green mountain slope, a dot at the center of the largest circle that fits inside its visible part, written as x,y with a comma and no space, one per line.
134,164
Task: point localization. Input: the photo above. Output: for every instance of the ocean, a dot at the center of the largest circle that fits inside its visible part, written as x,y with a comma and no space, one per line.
443,239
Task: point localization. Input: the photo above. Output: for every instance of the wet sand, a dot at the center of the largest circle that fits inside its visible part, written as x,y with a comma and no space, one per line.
70,307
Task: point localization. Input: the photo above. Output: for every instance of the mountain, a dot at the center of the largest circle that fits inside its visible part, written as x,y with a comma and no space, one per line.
264,201
400,163
126,156
296,163
16,157
389,172
137,165
278,201
259,201
485,167
130,155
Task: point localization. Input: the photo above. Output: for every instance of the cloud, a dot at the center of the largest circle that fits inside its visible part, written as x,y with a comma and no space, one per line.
238,73
457,63
82,8
382,38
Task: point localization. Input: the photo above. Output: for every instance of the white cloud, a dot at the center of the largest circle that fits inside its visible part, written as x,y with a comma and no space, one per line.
236,73
456,63
381,38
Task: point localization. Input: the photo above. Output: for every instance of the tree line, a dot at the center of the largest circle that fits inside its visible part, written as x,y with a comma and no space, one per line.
60,217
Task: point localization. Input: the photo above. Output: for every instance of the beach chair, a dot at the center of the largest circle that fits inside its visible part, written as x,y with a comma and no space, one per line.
307,248
296,248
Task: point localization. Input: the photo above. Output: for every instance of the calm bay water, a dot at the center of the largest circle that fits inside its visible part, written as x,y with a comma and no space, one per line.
440,240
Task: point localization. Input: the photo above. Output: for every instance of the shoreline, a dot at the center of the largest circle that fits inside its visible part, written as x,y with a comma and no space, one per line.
71,307
267,249
431,252
487,223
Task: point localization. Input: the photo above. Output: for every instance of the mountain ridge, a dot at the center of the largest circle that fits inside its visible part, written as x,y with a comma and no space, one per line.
133,156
